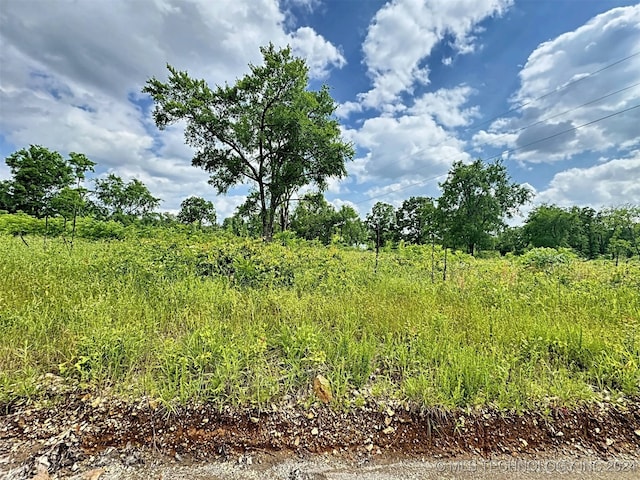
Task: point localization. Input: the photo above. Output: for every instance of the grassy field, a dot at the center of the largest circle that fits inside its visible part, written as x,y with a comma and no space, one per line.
237,322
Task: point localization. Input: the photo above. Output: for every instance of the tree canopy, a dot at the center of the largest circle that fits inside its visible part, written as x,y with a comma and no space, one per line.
416,220
268,130
314,218
470,213
381,222
119,199
549,226
197,210
475,199
38,175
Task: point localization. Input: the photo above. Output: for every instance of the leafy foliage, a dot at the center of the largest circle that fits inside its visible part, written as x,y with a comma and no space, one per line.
117,199
183,315
549,226
38,175
381,223
349,229
267,129
475,200
314,218
197,210
416,220
545,258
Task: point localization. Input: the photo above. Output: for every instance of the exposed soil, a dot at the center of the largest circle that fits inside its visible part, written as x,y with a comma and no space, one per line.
77,430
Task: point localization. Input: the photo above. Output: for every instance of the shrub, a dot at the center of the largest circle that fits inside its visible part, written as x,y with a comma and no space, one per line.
545,259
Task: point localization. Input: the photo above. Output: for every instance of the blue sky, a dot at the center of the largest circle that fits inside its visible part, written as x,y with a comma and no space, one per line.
420,84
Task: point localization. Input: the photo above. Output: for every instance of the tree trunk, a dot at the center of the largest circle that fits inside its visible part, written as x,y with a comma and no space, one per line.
471,248
433,258
375,268
444,268
284,217
267,227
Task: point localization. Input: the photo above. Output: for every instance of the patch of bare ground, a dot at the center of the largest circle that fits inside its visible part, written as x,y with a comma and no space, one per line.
77,430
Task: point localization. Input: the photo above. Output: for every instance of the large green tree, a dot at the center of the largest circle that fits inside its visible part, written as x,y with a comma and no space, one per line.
416,220
121,200
39,174
622,225
381,222
197,210
475,200
73,202
6,197
42,182
349,227
67,203
553,226
511,239
588,232
267,130
314,218
549,226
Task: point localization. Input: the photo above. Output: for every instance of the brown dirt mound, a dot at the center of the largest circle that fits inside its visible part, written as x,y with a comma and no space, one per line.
79,425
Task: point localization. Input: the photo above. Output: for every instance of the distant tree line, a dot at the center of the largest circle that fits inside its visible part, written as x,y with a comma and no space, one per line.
613,231
476,200
43,184
470,214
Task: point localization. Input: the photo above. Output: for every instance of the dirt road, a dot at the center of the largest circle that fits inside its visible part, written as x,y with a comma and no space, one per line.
113,465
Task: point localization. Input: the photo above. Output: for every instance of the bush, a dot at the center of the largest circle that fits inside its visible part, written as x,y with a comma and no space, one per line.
23,224
545,259
99,230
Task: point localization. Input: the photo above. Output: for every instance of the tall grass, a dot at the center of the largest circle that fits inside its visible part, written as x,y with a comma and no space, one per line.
238,322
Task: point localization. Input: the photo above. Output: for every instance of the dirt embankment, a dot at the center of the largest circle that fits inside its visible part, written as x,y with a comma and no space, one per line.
81,427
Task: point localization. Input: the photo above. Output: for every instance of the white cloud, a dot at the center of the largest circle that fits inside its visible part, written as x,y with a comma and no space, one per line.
445,105
320,54
404,147
611,183
404,33
65,116
413,143
226,205
568,58
309,5
336,185
394,193
414,146
338,203
484,138
347,108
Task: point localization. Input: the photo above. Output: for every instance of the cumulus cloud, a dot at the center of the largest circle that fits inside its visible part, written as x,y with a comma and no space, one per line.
347,108
404,33
393,193
72,73
414,145
613,182
403,147
413,141
338,203
446,106
556,83
321,55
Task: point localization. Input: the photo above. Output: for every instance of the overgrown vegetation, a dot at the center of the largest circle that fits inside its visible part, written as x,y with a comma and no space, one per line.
188,316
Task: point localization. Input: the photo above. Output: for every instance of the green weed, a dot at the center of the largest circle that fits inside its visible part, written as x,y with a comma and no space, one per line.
188,317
